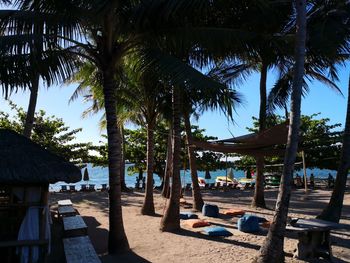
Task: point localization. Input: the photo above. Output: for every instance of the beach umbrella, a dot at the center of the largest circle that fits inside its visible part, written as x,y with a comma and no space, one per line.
86,175
230,174
207,175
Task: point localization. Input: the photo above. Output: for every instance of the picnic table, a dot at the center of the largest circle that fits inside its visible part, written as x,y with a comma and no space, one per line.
80,250
66,210
64,202
314,237
74,226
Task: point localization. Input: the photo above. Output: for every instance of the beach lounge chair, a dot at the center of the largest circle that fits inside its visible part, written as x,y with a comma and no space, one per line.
63,188
91,187
83,187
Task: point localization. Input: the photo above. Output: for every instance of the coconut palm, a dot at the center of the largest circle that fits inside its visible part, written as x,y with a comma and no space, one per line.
105,33
332,211
272,248
28,49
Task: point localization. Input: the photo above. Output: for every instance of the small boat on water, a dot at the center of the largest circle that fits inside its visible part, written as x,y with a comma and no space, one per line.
201,182
272,179
246,181
223,180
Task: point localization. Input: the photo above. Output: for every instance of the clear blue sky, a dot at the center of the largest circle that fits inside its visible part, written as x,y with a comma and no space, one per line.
320,99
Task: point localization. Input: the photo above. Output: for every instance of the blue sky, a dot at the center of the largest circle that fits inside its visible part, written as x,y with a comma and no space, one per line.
320,99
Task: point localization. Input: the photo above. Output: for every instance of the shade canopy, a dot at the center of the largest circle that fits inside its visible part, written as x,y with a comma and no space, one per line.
24,162
267,143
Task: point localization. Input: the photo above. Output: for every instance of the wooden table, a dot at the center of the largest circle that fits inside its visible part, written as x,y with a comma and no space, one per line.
314,238
74,226
80,250
64,202
66,210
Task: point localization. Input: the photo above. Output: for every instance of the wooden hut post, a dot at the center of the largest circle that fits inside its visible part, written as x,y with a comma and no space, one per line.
44,204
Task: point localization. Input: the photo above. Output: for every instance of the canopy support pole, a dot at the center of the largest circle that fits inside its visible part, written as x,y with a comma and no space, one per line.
226,170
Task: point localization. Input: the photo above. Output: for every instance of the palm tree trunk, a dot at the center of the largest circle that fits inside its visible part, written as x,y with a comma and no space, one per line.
171,218
29,122
148,204
167,175
272,248
332,212
117,240
259,199
196,193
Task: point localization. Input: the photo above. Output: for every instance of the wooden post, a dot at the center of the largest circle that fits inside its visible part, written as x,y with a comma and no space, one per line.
304,168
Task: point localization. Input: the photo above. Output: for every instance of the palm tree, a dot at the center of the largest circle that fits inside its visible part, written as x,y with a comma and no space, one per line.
332,211
196,194
272,248
35,54
171,219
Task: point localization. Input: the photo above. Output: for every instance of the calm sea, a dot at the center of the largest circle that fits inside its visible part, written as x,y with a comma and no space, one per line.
99,175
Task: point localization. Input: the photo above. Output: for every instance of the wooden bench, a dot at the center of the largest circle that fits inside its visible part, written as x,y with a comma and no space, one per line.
66,210
64,202
80,250
74,226
314,238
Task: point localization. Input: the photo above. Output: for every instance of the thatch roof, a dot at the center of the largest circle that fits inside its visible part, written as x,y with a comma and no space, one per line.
24,162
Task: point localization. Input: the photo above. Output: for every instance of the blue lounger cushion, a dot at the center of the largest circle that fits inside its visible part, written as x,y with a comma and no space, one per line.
217,231
210,210
249,224
188,215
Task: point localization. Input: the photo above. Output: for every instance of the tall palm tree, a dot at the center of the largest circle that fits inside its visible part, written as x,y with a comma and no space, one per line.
27,48
332,211
106,32
171,219
272,248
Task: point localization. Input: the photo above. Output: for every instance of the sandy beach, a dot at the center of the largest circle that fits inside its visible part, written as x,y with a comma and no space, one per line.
148,244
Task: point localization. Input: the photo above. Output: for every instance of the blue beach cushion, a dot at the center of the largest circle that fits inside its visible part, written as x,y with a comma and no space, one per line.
188,215
210,210
217,231
249,223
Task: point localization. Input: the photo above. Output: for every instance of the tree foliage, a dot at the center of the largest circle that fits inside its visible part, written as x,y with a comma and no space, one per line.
51,133
135,150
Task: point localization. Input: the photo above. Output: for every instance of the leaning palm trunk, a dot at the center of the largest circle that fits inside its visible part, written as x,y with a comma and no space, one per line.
29,122
259,199
272,248
171,218
332,212
166,179
148,204
196,193
117,240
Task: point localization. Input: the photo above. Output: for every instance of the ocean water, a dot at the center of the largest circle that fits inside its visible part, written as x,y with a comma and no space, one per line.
99,176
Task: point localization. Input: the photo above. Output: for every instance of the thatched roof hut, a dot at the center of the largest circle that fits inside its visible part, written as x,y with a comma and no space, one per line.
26,170
24,162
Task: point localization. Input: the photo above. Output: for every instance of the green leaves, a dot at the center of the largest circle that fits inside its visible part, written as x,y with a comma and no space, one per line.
51,133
